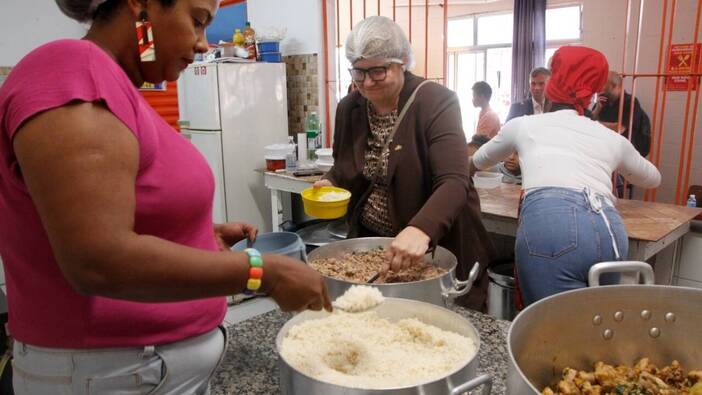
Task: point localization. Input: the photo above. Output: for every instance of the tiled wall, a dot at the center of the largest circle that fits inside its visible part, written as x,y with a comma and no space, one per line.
303,89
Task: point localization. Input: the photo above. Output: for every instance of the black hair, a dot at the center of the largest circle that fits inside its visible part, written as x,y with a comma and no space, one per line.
81,11
483,89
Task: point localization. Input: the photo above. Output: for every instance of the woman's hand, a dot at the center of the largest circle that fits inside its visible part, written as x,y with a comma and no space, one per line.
293,285
407,248
322,183
233,232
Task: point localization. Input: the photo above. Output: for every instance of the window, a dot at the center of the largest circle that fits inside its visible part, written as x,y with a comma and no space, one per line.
343,72
480,49
472,69
460,32
563,23
549,55
495,29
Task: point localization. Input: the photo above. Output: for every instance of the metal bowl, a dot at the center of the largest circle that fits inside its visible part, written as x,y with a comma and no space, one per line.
294,382
436,290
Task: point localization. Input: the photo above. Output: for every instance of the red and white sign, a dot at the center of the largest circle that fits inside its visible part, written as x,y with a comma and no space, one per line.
683,59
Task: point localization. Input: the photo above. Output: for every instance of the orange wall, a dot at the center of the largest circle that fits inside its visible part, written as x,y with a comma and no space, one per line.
165,103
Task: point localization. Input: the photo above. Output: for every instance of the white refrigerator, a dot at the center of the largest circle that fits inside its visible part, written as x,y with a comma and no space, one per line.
230,111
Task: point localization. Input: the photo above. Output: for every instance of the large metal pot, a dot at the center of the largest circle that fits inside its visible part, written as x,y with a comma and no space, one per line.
615,324
435,290
293,382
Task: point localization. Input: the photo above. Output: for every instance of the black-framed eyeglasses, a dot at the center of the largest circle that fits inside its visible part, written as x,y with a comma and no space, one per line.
377,74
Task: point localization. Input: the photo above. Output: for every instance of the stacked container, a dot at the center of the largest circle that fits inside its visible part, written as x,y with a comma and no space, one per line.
269,51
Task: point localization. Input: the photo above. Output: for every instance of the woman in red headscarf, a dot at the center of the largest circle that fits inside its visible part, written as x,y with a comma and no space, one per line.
568,221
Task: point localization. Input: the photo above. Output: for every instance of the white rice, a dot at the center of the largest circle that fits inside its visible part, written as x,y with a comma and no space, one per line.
359,298
334,196
362,350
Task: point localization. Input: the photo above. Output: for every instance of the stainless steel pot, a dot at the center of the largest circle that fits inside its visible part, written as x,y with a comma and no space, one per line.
615,324
435,290
293,382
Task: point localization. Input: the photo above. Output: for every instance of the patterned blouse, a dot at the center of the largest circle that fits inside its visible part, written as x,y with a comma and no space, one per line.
375,215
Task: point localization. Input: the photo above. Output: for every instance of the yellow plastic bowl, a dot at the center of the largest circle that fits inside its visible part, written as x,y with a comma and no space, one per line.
317,208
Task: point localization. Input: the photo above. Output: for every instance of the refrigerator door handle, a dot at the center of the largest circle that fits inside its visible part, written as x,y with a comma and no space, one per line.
183,123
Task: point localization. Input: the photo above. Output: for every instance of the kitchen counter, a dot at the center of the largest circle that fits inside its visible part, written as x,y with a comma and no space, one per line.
651,226
645,221
250,366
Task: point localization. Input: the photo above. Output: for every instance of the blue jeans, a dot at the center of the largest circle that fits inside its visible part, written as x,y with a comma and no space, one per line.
560,236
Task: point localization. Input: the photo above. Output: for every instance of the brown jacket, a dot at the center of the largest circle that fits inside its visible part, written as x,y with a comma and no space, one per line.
428,179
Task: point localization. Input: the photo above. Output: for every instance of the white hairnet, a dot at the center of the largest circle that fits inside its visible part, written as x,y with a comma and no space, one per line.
379,37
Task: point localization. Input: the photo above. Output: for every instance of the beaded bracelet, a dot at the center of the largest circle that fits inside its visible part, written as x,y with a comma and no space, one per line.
253,284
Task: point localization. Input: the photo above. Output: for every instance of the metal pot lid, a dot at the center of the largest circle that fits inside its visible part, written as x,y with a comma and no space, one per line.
502,274
339,228
317,234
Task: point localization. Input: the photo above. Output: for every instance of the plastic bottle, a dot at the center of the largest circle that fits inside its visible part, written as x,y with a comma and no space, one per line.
692,201
238,38
290,158
250,41
312,130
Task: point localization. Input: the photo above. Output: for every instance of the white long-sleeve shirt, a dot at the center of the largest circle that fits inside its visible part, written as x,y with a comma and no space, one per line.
563,149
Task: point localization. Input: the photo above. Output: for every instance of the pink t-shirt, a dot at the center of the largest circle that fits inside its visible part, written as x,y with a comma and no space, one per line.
174,189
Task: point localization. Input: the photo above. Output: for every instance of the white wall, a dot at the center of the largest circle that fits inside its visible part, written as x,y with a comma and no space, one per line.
302,18
303,21
25,25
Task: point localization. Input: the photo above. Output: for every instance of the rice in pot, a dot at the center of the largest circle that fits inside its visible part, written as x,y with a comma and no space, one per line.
363,350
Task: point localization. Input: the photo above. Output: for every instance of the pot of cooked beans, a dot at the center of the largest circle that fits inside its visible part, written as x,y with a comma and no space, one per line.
358,261
618,339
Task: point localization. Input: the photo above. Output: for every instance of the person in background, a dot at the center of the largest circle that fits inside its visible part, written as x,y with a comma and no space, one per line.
116,275
510,170
399,147
488,120
537,102
606,111
568,221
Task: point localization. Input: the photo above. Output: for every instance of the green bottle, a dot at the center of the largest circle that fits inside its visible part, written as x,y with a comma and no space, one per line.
312,129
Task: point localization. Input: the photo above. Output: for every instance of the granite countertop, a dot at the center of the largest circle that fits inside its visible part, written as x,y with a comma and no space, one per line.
250,366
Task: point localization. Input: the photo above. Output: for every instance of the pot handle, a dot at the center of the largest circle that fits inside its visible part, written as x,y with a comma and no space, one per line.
599,269
485,380
461,288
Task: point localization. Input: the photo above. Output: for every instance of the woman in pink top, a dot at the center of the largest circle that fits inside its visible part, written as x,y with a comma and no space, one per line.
116,275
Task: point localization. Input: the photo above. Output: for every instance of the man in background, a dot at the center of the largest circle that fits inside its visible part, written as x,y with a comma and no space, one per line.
537,102
488,120
606,111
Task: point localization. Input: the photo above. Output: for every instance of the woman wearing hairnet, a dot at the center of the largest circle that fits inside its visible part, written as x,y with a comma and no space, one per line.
399,147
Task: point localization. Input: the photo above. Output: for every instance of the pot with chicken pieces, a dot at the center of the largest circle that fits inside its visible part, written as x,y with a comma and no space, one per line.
644,378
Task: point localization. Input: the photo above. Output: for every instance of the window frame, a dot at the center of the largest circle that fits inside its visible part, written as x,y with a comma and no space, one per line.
558,43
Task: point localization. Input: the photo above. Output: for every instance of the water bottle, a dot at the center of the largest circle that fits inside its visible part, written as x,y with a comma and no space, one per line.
312,130
290,158
692,201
